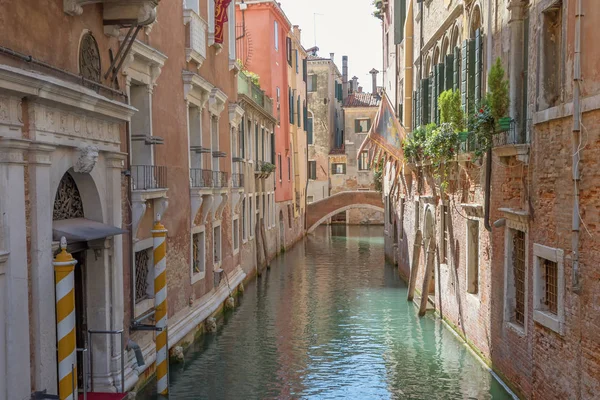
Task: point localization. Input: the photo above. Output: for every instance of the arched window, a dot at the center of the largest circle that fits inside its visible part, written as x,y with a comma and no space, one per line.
67,202
89,58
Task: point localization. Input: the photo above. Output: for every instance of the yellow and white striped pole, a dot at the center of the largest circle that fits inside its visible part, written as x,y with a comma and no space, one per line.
64,270
159,234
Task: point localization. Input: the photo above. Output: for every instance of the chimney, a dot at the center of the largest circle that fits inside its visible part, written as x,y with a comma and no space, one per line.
345,76
331,56
360,89
354,83
374,73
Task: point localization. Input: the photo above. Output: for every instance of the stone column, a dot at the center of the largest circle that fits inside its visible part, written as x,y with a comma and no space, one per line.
516,78
42,289
16,295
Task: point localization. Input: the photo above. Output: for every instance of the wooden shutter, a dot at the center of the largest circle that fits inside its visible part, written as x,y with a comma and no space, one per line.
471,76
416,108
399,19
449,72
357,126
424,98
440,88
299,113
434,93
430,109
242,138
464,75
456,81
288,42
344,169
305,70
332,169
368,125
478,65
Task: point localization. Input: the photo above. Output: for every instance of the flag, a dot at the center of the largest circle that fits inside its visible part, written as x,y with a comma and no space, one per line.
386,132
220,18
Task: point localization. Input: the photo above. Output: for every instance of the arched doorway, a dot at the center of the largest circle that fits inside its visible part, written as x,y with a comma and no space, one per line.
68,204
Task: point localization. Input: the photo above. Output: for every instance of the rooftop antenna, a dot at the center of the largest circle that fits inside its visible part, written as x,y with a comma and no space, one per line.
315,26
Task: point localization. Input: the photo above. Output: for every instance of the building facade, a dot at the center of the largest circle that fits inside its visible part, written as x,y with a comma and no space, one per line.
513,271
325,96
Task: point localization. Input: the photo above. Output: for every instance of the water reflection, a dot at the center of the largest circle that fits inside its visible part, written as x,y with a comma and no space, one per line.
331,321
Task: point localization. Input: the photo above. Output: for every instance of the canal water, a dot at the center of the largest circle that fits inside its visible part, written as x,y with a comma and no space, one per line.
330,320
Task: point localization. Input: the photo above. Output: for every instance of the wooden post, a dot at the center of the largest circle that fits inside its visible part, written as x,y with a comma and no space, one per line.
414,269
430,262
257,249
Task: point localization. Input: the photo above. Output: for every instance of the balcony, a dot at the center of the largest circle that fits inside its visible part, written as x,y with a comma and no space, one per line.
262,169
509,142
207,179
196,37
148,177
249,89
237,180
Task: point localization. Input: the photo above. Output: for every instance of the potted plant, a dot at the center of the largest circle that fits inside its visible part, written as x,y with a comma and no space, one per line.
497,97
267,168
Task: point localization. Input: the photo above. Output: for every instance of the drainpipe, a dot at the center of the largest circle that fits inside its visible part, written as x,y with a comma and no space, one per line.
488,189
576,141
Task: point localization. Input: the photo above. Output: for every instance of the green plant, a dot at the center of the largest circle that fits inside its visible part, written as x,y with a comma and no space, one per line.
481,128
497,97
450,109
267,167
378,176
254,78
441,144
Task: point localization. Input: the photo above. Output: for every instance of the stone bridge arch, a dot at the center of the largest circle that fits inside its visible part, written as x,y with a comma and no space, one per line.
320,211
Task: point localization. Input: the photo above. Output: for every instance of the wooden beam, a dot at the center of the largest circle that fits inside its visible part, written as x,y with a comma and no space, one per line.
429,263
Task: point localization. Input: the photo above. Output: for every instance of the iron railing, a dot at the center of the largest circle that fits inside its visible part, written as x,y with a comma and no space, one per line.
237,180
510,136
219,179
258,165
247,87
148,177
201,178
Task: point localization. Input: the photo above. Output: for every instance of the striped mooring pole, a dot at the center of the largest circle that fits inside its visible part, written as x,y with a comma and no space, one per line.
64,271
159,234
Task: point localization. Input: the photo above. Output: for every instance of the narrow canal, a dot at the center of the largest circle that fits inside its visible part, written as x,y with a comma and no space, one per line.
330,320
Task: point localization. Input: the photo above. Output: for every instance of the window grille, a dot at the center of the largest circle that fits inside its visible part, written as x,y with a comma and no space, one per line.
198,252
519,275
550,269
142,269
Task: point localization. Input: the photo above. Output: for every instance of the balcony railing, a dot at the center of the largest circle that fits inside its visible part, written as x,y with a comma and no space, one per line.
247,87
237,180
205,178
148,177
509,137
196,41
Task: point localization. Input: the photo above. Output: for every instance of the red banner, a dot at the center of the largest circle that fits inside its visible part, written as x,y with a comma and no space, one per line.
220,18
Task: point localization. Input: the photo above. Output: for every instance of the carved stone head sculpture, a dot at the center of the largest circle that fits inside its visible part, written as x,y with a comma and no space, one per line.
86,160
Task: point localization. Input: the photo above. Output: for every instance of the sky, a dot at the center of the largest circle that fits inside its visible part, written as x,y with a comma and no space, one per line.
343,27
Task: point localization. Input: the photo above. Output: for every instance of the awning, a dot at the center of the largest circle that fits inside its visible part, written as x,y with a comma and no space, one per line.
82,230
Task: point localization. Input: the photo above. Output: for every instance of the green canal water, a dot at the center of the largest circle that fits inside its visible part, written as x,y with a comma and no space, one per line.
330,320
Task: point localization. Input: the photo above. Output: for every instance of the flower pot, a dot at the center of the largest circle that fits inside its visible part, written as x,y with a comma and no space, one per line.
504,123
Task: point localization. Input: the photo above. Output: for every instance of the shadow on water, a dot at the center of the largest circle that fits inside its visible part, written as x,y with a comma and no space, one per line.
330,320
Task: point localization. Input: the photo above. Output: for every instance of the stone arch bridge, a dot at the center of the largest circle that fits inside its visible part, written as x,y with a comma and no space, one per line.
320,211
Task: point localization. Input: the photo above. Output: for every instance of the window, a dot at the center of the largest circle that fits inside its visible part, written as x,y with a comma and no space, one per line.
548,287
551,57
362,125
363,161
312,83
297,62
276,35
310,199
309,130
198,256
280,167
312,170
217,244
445,236
515,308
244,235
251,220
299,108
144,274
402,200
289,166
338,168
289,208
472,256
236,234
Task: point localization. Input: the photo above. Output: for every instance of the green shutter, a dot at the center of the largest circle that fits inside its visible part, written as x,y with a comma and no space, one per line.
424,99
456,80
449,72
299,113
464,75
478,65
399,19
368,125
434,93
440,88
414,110
471,76
430,109
356,126
417,108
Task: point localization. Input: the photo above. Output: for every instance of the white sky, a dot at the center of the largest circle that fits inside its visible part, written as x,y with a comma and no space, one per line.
346,27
